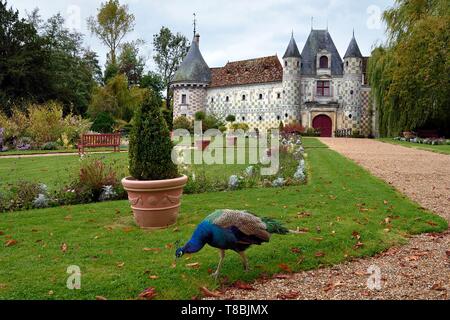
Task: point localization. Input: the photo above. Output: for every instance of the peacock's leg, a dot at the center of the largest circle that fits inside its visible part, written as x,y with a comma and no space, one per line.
244,260
222,256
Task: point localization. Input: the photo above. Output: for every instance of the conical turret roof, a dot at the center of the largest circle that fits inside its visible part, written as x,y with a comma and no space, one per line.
193,68
353,49
292,50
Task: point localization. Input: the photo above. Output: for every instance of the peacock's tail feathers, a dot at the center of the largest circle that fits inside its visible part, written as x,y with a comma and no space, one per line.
274,226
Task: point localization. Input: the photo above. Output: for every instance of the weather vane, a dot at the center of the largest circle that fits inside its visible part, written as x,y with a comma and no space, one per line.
195,24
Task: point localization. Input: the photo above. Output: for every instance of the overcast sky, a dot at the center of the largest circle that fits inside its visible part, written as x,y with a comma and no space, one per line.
232,29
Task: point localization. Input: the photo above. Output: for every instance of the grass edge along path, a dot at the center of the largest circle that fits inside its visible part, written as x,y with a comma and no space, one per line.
442,149
342,213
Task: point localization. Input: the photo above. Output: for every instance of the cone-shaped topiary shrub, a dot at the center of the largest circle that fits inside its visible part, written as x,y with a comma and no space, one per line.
150,144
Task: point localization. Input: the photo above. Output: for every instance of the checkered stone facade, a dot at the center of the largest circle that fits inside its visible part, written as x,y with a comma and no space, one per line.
195,99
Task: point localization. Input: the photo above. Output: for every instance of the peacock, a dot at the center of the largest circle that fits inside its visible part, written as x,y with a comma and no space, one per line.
231,230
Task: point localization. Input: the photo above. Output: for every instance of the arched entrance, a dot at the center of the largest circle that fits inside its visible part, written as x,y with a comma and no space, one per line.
325,125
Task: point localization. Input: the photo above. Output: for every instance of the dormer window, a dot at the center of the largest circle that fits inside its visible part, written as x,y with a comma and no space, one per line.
260,96
323,62
243,97
285,63
278,95
212,100
227,99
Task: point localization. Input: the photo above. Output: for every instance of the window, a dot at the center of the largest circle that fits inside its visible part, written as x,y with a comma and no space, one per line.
260,118
183,99
298,64
227,99
351,91
285,63
346,63
243,97
323,62
260,96
278,118
286,115
243,118
212,100
350,116
278,95
323,88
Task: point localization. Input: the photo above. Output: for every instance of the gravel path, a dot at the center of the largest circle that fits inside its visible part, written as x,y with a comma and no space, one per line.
418,270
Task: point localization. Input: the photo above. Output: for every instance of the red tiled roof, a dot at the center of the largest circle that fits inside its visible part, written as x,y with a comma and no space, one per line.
259,70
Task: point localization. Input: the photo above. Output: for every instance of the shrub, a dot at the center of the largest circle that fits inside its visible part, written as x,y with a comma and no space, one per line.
103,123
200,116
150,144
182,122
168,116
240,126
293,128
73,127
20,195
230,118
45,122
50,146
222,129
311,132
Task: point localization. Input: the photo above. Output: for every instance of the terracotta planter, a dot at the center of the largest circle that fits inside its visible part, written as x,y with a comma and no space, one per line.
202,144
231,141
155,203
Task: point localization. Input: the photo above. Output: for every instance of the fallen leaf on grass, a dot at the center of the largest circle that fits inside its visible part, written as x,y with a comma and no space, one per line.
303,214
385,202
10,243
288,295
1,233
296,250
169,246
173,265
50,293
243,286
148,293
120,264
358,245
68,218
356,235
64,247
157,250
285,267
100,298
208,293
127,229
153,277
319,254
432,223
194,265
299,230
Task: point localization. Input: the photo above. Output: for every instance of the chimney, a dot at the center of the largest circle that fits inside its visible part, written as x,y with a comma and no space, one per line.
197,39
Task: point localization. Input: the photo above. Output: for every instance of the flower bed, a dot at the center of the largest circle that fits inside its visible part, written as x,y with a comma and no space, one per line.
429,141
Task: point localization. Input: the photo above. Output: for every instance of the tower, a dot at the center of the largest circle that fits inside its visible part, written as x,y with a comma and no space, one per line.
190,82
352,81
292,62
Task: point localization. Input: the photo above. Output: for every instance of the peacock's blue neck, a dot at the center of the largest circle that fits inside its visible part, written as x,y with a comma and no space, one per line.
198,239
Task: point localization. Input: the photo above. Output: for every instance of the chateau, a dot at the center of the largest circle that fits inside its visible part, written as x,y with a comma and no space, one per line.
315,88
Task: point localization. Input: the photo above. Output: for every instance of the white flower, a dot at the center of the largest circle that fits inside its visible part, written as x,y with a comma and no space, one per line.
299,175
250,171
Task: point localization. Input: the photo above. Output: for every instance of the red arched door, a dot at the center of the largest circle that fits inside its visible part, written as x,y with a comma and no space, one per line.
325,125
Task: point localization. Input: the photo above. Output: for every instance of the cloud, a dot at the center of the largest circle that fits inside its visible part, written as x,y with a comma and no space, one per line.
233,29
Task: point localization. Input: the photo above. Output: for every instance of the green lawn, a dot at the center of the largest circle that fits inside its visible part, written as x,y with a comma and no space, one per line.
445,149
340,199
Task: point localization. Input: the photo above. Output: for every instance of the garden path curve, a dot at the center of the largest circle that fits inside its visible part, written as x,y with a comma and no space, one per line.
418,270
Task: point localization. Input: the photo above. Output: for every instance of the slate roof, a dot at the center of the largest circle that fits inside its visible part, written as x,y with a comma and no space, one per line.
259,70
353,50
292,50
193,68
319,40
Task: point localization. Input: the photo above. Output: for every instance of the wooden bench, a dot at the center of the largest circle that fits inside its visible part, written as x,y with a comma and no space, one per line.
99,140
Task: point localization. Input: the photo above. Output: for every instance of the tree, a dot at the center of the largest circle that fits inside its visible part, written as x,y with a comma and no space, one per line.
111,25
170,51
230,118
150,144
407,75
152,81
131,63
24,74
116,98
